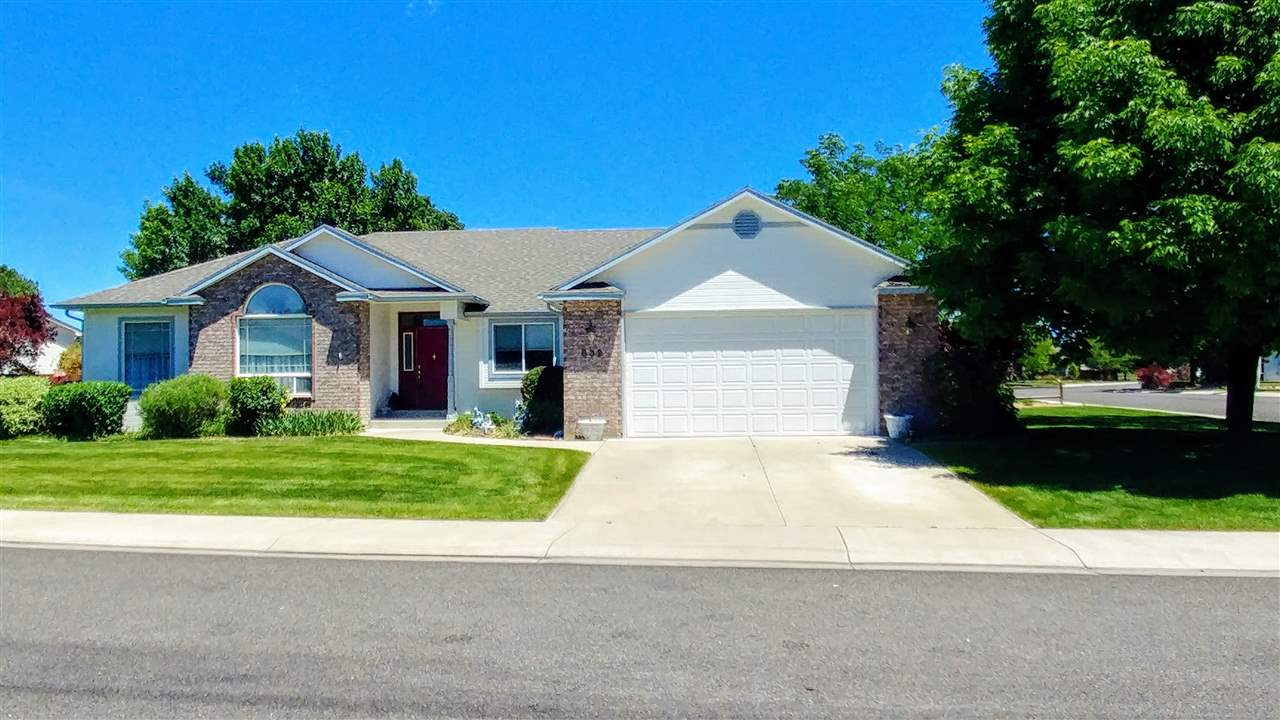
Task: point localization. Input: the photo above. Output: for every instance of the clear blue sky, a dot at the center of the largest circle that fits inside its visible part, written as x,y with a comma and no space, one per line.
577,116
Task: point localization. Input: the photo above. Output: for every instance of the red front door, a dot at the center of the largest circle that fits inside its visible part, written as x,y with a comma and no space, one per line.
424,368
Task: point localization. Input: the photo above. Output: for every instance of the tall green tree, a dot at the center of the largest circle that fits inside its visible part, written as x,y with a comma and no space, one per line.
271,193
879,197
1117,173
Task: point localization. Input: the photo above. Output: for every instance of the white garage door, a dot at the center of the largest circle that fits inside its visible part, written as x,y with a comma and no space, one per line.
777,373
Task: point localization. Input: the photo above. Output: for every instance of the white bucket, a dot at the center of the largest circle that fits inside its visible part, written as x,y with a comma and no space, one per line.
591,428
899,426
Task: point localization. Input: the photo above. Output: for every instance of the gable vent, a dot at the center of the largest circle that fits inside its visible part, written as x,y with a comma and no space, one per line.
746,224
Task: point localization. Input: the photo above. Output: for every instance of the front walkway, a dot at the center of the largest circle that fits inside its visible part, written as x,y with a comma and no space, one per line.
1020,549
801,482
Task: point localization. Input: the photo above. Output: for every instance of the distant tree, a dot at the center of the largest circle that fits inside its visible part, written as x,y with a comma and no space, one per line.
1108,362
24,323
70,362
271,193
1039,358
878,196
1117,173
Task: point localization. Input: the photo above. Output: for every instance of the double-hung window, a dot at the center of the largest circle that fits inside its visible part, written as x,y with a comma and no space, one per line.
519,347
275,338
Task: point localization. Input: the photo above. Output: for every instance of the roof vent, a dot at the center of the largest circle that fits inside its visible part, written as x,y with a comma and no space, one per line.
746,224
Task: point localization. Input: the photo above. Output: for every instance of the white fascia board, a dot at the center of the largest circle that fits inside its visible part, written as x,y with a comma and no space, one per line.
683,224
375,296
563,295
365,247
288,257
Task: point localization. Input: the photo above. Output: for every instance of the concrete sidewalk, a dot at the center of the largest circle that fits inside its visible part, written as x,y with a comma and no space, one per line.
1004,549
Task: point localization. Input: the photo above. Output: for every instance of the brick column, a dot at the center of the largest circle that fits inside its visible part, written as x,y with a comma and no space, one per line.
908,335
593,364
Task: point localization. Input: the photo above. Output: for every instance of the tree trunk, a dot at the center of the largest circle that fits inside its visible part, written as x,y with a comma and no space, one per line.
1242,380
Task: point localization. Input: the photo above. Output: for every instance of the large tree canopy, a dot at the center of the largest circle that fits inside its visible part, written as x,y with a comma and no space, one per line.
878,197
24,323
271,193
1117,174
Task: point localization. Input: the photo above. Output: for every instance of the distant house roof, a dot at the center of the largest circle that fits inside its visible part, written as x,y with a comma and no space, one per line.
508,268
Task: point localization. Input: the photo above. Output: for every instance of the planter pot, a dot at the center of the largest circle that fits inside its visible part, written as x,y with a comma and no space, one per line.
591,428
898,426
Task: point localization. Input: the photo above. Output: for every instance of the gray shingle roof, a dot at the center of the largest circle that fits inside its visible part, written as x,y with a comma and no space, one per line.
507,267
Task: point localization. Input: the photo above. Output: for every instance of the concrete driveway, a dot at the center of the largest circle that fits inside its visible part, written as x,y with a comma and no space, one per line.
830,481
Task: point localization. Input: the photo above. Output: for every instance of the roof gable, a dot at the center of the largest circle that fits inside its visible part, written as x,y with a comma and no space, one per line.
262,252
392,266
746,197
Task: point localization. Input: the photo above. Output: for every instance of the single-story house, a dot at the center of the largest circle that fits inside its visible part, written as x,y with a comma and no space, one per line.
51,351
747,318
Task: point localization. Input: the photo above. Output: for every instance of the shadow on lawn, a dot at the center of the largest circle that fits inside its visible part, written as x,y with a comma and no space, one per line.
1159,456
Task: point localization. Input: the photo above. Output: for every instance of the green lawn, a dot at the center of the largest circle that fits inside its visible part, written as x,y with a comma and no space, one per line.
330,476
1106,468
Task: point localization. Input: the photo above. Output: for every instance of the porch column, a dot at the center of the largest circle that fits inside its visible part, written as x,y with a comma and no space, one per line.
592,364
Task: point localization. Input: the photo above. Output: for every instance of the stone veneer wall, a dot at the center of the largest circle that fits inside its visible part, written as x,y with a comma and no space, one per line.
593,364
339,333
909,334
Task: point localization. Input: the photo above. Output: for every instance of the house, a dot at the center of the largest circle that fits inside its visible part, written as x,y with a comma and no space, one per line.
1269,368
747,318
65,334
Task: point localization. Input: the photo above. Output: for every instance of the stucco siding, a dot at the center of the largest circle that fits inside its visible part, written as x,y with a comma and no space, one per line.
789,265
51,351
101,333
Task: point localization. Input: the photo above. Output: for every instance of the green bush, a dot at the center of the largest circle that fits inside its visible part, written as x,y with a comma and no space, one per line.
542,397
966,385
85,410
311,423
252,400
71,360
181,407
20,405
462,424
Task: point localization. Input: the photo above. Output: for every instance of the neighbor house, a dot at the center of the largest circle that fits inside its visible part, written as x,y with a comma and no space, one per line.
64,336
747,318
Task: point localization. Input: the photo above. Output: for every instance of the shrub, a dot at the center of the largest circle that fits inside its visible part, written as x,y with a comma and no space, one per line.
542,400
477,424
85,410
461,425
966,385
181,407
251,400
20,405
1154,377
311,423
1073,371
70,361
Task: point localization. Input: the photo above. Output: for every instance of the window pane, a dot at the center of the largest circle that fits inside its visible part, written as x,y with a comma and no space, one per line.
148,353
406,352
506,348
275,300
275,345
539,345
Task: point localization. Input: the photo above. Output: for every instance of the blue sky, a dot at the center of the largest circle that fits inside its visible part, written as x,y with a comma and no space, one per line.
571,115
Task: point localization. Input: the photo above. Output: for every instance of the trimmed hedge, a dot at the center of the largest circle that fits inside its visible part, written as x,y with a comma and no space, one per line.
253,400
85,410
542,399
20,405
181,407
299,423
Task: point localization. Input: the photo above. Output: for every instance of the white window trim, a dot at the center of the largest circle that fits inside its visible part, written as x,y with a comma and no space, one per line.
491,379
289,316
493,346
407,356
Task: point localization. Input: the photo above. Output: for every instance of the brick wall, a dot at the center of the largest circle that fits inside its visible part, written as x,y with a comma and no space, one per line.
339,333
593,364
909,334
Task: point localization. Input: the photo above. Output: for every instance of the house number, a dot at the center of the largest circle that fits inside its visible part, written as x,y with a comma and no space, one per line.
592,352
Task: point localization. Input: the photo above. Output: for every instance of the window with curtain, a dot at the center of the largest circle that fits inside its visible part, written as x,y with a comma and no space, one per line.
518,347
148,352
275,338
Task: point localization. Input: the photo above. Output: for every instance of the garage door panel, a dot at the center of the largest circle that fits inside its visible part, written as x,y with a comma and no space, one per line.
750,373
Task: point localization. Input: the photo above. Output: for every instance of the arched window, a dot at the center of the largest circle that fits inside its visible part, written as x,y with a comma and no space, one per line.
275,338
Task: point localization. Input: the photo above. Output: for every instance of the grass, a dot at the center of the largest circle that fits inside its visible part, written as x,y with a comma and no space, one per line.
330,477
1091,467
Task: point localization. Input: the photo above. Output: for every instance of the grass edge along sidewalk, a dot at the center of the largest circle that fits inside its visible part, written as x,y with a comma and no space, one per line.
1092,467
294,476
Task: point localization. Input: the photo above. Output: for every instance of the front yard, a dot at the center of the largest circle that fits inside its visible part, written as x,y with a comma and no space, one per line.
1107,468
325,476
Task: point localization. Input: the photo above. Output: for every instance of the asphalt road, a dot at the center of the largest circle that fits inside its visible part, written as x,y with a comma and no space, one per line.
129,635
1266,405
